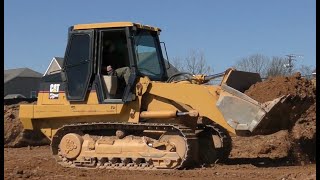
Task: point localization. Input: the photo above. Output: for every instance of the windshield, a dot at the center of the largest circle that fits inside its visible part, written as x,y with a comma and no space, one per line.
148,55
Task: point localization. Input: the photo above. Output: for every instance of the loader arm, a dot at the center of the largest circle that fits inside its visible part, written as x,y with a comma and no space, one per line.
229,107
201,98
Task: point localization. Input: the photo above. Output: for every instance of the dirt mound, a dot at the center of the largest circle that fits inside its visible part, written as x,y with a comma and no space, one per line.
293,124
297,145
14,135
275,87
301,95
303,135
273,146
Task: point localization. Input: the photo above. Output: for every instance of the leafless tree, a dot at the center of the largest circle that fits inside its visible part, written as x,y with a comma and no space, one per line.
306,70
194,63
277,67
177,63
254,63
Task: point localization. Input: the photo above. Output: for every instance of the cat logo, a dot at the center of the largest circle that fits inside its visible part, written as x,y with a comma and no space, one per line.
54,91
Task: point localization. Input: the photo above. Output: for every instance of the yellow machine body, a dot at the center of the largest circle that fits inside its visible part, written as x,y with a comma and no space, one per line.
191,117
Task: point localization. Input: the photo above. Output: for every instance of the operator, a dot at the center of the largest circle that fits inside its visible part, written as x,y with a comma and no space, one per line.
111,55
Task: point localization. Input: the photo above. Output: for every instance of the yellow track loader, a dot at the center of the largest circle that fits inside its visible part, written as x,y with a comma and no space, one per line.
138,118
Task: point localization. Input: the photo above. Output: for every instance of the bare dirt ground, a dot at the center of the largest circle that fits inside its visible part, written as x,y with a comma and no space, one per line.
288,153
37,163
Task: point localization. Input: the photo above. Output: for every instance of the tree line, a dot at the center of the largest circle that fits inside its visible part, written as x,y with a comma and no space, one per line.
195,63
269,67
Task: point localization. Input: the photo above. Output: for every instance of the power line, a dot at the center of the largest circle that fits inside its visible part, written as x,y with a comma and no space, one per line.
290,61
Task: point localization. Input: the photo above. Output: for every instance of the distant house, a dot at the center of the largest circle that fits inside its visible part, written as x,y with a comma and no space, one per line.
21,82
14,96
54,66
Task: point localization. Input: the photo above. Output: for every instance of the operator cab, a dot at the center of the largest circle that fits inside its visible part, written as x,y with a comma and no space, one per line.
113,53
108,58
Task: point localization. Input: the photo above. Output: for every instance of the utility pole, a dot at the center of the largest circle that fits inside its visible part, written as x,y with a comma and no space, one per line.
290,61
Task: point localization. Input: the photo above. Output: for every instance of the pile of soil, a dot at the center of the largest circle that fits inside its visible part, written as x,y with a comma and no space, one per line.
303,134
14,134
273,146
293,125
278,86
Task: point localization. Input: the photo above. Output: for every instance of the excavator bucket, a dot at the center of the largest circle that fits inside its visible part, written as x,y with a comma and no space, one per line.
242,112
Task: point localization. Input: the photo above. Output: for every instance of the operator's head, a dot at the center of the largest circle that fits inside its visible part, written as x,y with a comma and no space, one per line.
109,46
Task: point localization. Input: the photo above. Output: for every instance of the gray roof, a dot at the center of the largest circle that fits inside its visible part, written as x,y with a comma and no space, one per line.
13,96
10,74
314,71
59,60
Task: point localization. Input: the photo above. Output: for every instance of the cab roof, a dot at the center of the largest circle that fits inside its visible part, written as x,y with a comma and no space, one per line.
114,25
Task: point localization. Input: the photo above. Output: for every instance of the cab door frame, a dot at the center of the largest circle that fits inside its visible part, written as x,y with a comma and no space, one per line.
78,65
128,92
